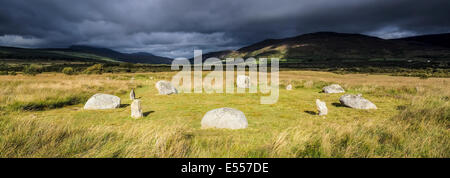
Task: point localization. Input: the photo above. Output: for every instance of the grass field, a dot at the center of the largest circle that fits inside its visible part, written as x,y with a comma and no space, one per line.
42,116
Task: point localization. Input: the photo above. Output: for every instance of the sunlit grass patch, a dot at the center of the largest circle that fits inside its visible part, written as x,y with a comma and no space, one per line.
412,119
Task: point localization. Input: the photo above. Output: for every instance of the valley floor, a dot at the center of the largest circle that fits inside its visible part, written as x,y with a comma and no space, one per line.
42,116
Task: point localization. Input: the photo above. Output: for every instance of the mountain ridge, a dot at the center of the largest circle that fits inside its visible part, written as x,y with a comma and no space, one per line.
326,46
310,47
80,53
442,39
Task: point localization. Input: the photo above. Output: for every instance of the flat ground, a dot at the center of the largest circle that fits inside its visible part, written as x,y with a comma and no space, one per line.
42,116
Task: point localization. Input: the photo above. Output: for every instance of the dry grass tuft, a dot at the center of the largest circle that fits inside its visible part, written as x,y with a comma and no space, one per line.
413,119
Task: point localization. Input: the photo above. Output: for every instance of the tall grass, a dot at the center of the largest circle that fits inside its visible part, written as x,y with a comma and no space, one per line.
50,91
414,121
49,103
417,131
36,138
421,129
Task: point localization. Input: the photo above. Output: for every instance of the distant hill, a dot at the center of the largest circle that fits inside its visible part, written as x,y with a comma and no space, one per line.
330,46
80,54
140,57
442,40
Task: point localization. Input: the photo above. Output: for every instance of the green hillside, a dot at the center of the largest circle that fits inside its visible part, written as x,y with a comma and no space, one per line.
330,46
41,55
77,54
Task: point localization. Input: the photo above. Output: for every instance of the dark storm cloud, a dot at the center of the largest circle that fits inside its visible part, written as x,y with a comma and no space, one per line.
175,27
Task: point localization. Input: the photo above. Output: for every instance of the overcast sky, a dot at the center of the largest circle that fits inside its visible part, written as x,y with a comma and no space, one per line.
173,28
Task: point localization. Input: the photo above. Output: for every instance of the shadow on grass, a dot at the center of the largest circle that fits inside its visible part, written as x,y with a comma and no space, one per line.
147,113
401,107
338,105
124,105
311,112
48,103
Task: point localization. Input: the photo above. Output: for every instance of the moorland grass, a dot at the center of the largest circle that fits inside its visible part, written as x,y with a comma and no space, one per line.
412,119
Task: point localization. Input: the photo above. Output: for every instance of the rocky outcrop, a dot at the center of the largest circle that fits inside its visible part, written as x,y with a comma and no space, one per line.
357,102
243,81
102,101
224,118
132,95
136,110
165,88
321,107
289,87
334,88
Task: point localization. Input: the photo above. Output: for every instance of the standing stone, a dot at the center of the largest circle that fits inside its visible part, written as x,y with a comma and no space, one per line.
243,81
289,87
335,88
321,107
165,88
102,101
136,110
132,95
224,118
356,101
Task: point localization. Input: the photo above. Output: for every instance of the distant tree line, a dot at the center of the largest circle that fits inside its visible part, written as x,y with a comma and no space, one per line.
423,71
